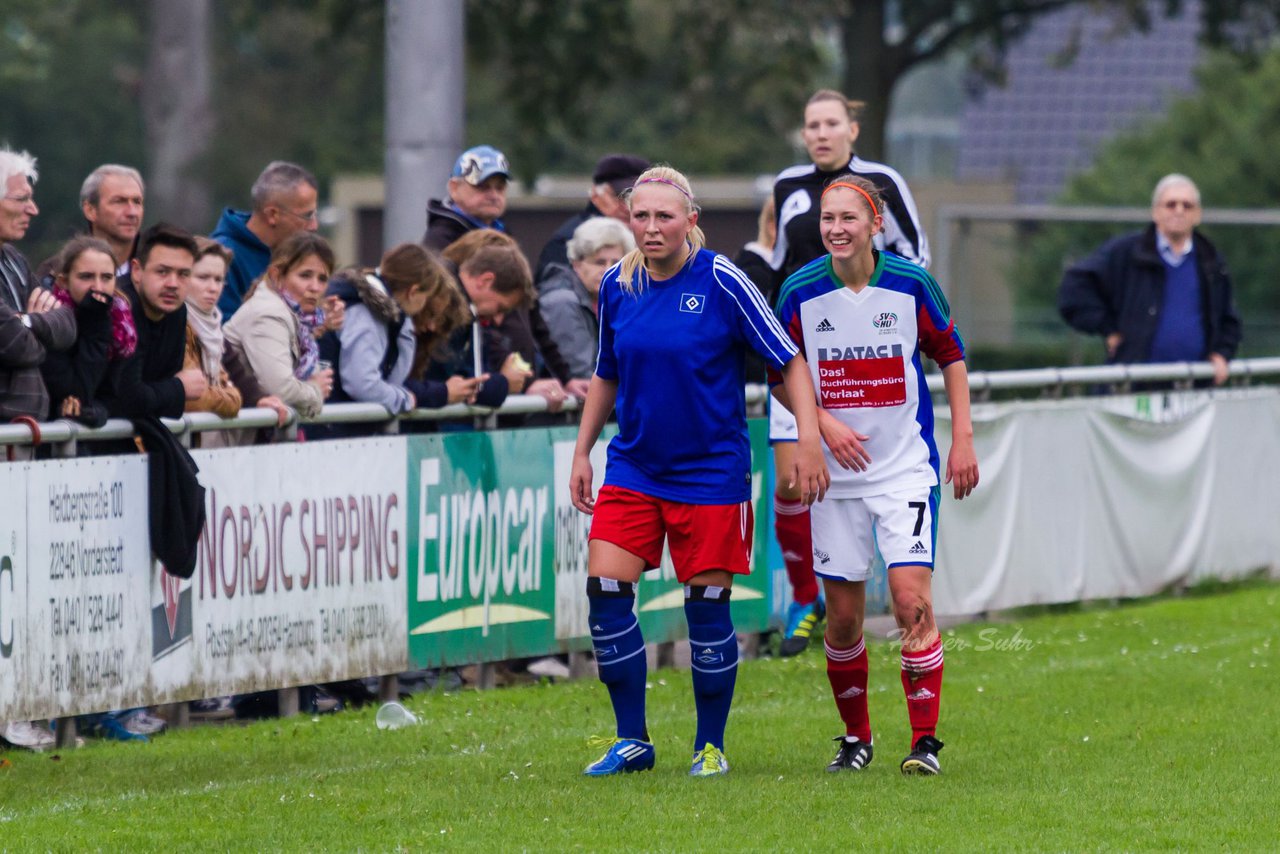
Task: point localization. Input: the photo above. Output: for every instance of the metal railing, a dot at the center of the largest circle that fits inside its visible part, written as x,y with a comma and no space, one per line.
63,434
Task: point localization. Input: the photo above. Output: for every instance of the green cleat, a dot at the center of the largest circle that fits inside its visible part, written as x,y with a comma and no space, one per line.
709,762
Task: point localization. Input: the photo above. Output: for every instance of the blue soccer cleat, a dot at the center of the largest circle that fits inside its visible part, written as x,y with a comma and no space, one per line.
709,762
801,622
623,756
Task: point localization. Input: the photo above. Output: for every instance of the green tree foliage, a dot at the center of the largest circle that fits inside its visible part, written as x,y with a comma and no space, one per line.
708,87
69,77
1221,137
299,81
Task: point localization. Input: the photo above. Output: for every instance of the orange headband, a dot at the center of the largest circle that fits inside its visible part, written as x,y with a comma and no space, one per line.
865,194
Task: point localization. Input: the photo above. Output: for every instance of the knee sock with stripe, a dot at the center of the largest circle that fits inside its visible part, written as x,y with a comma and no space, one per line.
922,683
847,673
795,539
713,648
619,647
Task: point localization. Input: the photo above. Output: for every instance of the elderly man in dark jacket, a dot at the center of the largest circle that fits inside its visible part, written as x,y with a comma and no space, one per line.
31,321
1162,294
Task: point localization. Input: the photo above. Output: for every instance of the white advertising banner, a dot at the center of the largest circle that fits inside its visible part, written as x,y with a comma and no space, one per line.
80,638
13,590
572,528
1101,498
300,576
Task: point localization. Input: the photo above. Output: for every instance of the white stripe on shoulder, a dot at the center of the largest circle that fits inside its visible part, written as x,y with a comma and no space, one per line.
722,262
797,171
759,313
858,166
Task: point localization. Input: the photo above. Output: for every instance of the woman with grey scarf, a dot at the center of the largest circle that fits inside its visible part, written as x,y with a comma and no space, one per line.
205,341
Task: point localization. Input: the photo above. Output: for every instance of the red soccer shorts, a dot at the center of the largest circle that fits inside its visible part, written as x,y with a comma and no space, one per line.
701,536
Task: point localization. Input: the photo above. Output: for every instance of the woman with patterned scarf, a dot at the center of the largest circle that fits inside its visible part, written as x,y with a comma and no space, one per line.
271,350
86,280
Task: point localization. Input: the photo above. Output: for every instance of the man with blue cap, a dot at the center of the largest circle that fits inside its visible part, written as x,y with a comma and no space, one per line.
477,197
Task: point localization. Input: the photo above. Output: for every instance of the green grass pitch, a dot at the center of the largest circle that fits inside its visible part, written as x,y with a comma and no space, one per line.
1146,726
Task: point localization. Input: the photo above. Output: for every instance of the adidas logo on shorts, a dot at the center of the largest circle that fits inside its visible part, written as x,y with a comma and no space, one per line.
825,326
918,549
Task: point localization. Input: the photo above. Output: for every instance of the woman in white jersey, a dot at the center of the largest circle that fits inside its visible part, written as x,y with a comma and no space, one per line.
829,132
862,318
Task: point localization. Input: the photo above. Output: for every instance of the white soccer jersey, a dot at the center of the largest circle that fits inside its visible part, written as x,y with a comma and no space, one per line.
864,351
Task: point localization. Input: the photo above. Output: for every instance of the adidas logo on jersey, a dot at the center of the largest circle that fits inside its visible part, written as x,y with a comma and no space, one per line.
918,549
825,326
922,694
854,691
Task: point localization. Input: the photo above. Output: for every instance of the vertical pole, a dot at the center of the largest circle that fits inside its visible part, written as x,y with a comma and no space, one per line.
425,86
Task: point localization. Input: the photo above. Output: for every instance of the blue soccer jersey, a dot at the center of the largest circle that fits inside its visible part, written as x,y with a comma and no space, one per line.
863,351
677,348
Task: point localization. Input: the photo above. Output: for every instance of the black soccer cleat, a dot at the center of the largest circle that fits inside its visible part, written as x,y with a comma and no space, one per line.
922,761
853,755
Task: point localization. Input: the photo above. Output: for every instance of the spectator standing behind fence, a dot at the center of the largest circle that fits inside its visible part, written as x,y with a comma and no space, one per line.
284,203
570,293
85,279
111,199
521,330
477,197
270,350
205,342
445,312
373,351
493,280
473,212
1162,294
153,382
614,174
31,324
31,321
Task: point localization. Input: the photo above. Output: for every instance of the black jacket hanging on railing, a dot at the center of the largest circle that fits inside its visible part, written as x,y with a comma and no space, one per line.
176,513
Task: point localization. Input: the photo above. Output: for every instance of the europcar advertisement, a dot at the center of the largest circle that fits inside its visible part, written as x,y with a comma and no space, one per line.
498,565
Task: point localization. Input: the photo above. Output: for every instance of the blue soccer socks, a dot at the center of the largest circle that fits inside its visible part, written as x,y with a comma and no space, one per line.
713,653
619,647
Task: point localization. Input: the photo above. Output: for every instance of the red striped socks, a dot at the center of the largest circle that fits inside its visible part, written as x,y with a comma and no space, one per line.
922,683
847,672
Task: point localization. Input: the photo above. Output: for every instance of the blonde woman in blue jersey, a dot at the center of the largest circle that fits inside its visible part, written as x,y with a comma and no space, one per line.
675,323
863,317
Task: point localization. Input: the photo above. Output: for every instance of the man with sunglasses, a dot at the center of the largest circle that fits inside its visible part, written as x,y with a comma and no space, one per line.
285,200
1162,294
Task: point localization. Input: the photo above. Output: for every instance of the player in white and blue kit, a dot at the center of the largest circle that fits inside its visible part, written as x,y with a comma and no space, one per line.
864,317
675,323
829,132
